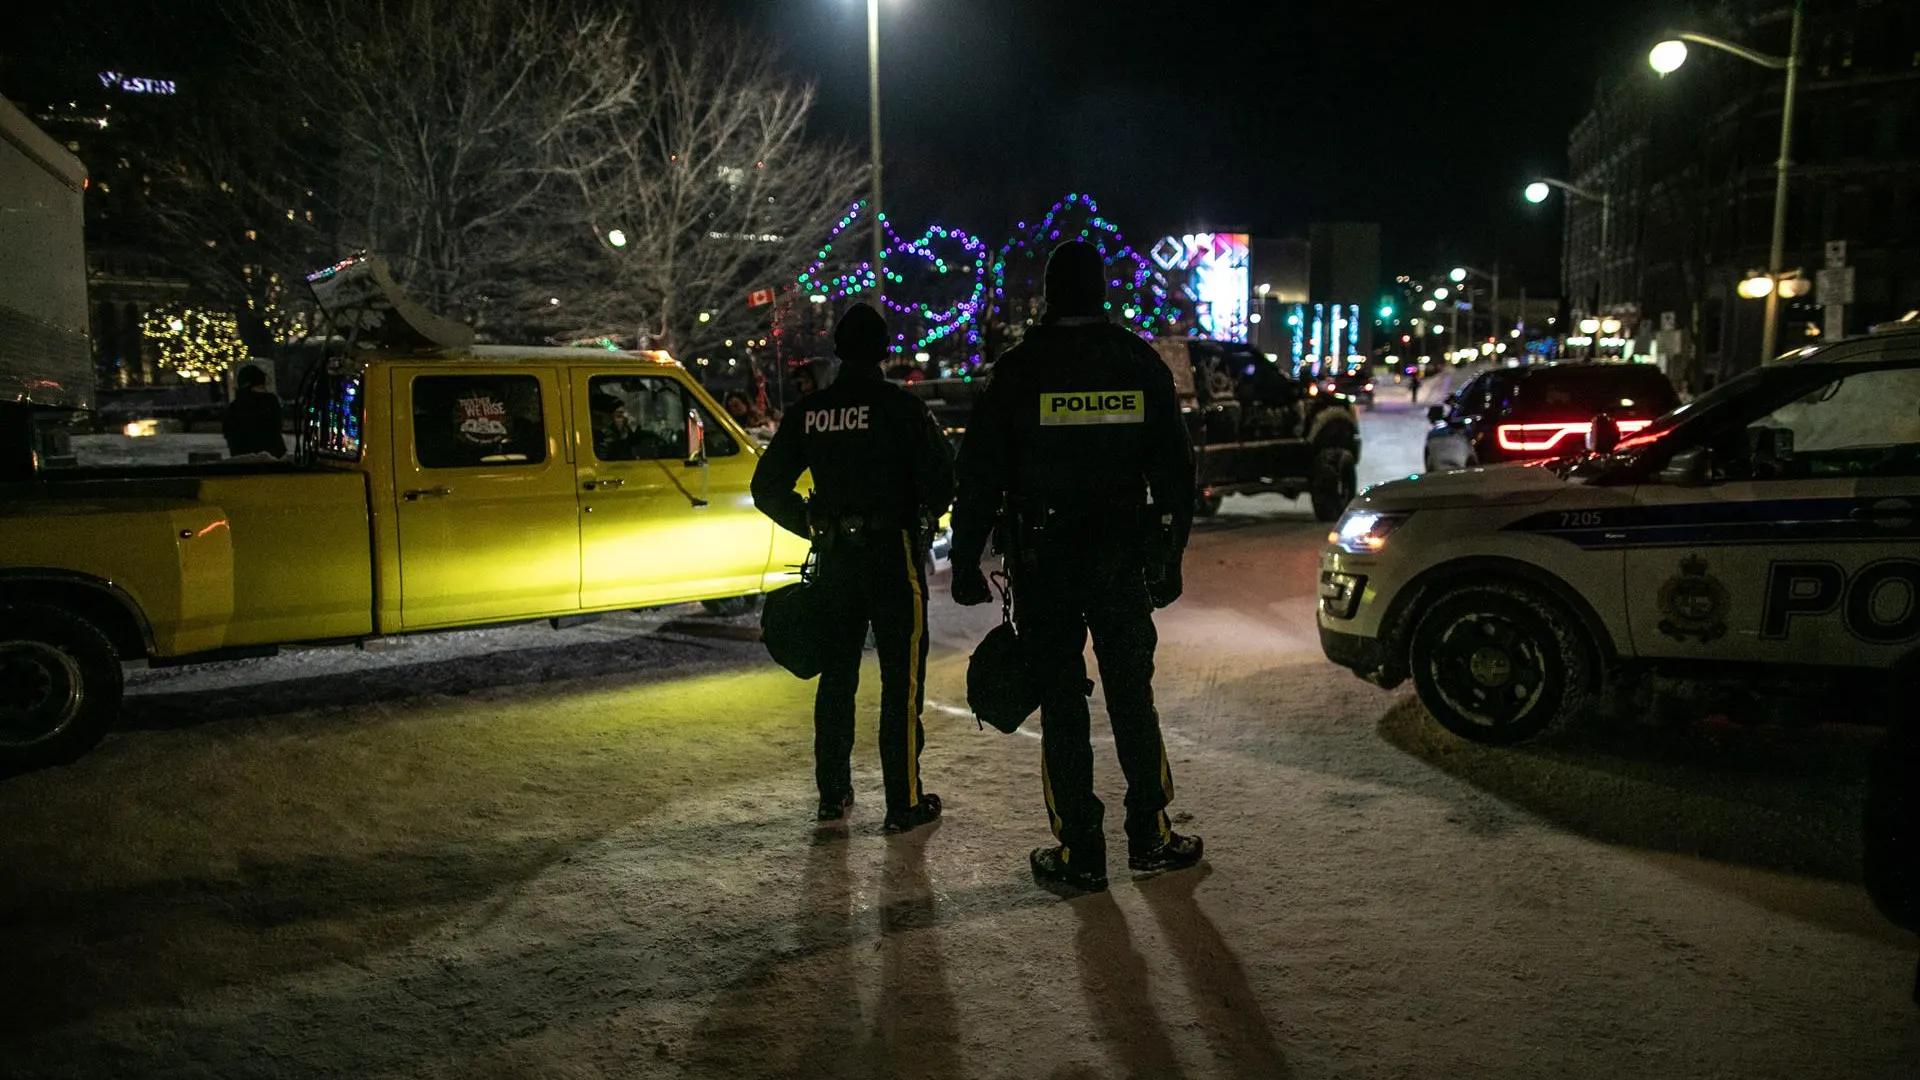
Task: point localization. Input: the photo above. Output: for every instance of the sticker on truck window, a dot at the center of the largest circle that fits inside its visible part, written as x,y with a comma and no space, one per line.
481,419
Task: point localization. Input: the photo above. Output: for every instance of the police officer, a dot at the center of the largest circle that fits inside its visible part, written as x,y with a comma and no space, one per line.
1077,427
882,475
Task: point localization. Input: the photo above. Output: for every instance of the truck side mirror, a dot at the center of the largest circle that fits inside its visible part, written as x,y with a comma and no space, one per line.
1436,414
696,439
1603,434
697,455
1688,468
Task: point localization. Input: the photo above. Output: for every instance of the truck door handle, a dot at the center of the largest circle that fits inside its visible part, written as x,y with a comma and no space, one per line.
417,494
611,483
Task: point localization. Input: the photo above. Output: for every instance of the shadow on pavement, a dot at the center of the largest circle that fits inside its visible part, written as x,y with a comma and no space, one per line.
85,951
1118,988
664,654
1782,799
1216,981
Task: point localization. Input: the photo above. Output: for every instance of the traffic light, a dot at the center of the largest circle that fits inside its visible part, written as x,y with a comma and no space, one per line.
1386,311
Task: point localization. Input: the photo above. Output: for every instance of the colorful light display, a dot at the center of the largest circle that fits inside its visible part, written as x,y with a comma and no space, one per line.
942,285
1137,294
914,269
1216,279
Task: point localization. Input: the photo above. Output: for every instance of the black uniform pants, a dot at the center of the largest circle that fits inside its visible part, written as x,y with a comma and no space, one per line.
1069,592
876,579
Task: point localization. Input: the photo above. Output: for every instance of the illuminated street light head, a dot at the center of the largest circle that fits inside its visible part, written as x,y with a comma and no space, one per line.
1756,287
1667,56
1538,191
1442,293
1076,280
617,237
861,337
1458,274
1428,305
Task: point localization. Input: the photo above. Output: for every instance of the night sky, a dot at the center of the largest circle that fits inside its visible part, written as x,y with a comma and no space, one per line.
1426,117
1176,115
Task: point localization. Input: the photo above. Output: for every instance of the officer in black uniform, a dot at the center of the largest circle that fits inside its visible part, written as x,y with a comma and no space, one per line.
1077,427
882,477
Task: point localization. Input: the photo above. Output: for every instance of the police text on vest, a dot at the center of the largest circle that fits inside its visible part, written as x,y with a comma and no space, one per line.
852,418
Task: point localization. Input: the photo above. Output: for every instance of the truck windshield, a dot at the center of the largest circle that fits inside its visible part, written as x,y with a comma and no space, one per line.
333,419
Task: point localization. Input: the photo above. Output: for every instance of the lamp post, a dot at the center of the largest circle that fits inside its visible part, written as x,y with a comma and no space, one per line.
873,136
1666,58
1538,191
1459,276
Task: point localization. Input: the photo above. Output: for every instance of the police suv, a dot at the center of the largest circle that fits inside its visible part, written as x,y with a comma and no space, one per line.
1765,535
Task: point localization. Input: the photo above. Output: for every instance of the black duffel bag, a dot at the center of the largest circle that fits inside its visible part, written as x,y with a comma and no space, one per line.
790,629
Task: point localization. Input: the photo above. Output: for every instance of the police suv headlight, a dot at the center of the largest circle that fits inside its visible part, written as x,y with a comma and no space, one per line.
1363,532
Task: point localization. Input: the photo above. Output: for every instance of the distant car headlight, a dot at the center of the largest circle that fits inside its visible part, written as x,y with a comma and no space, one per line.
1363,532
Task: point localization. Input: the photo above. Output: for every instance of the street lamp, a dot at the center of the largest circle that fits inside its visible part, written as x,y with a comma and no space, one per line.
1666,58
1537,192
873,137
617,237
1460,274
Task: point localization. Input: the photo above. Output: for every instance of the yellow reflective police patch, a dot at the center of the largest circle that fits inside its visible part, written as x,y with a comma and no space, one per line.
1093,407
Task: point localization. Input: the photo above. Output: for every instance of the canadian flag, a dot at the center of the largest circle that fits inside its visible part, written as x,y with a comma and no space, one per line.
760,298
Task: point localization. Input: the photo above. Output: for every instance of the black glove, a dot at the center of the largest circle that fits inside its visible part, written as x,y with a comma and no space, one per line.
1166,588
970,585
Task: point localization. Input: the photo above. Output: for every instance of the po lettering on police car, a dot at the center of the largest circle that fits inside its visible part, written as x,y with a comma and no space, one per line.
1815,588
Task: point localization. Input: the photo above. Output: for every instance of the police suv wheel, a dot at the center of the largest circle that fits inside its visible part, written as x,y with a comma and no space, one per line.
1498,663
1335,478
60,684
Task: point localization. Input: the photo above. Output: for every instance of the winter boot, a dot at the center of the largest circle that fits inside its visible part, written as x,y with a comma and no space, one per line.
1053,872
1178,853
835,809
922,812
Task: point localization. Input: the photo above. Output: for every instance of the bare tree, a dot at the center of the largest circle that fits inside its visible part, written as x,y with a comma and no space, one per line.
703,189
446,117
232,204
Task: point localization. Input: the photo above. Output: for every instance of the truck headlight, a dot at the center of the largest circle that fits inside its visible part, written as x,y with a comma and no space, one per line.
1363,532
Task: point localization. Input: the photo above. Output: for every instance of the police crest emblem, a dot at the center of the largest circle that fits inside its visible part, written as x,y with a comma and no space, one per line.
1693,603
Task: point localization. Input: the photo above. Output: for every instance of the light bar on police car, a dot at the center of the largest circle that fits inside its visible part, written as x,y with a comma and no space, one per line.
1537,438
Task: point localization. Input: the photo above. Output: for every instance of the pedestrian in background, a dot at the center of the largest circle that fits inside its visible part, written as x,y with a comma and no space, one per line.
1077,426
252,422
882,478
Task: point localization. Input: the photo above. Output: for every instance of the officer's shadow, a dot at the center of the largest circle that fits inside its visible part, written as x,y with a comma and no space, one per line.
1229,1010
914,1026
1115,979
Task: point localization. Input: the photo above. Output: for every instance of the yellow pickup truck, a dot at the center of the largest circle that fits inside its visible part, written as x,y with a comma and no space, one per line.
433,489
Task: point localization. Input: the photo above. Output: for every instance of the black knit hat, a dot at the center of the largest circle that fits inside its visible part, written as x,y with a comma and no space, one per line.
861,337
1076,280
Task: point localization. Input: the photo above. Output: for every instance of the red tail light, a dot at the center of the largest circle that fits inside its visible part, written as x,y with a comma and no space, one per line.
1545,438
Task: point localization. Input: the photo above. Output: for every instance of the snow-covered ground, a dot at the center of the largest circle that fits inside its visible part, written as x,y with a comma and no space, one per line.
589,853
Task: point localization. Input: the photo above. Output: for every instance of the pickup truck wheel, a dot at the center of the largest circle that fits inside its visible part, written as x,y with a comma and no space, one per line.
1335,478
1206,505
732,605
60,684
1498,663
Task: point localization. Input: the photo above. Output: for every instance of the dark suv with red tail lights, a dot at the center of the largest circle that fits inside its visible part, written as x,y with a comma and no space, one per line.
1541,411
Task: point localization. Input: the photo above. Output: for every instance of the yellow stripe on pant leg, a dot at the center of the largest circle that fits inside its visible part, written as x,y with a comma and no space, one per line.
1046,788
1166,786
914,672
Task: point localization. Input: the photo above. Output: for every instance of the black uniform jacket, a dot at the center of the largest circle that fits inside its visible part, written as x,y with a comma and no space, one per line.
1082,417
875,453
